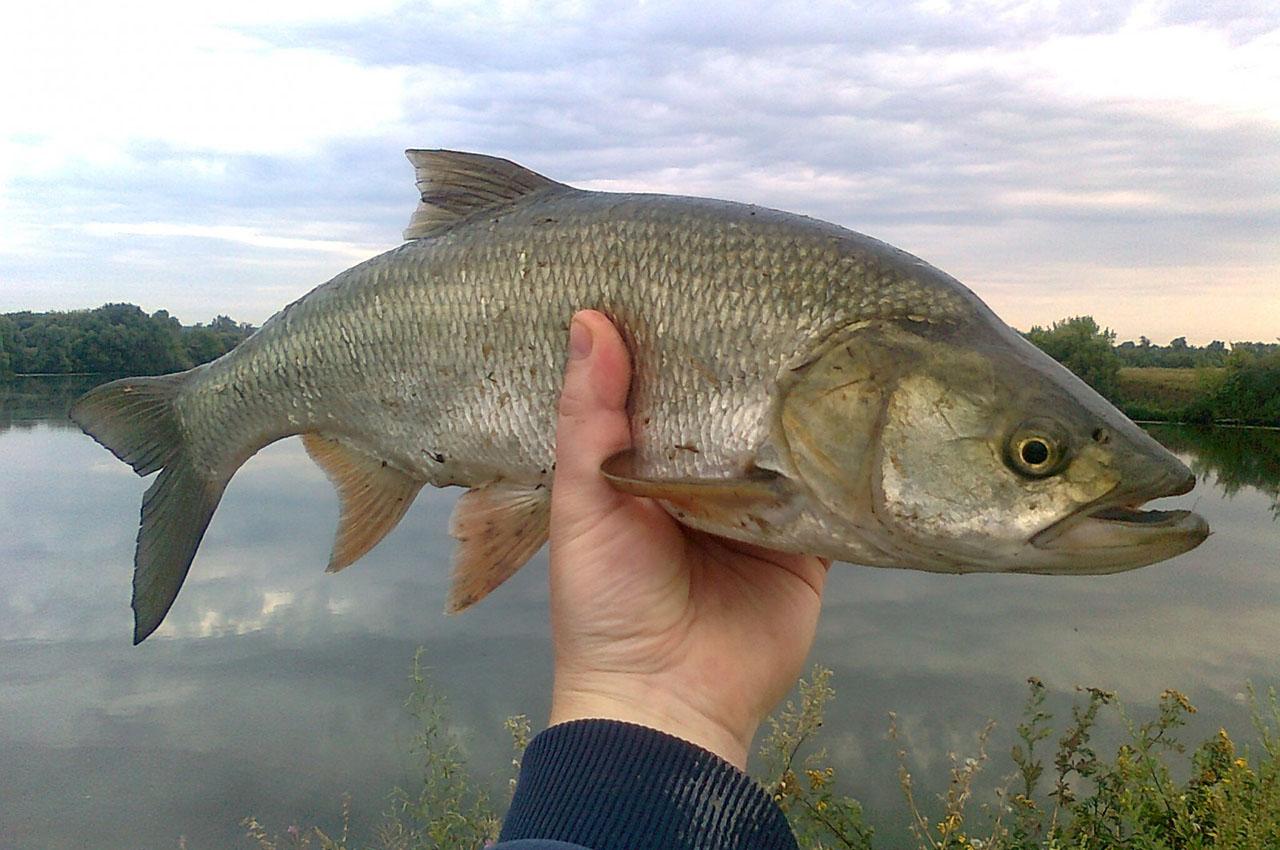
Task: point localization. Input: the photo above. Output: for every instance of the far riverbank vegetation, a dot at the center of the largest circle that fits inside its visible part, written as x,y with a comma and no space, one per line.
1235,383
1178,382
115,340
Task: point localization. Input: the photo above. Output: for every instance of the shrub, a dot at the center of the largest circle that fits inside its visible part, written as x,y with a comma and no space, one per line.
1060,795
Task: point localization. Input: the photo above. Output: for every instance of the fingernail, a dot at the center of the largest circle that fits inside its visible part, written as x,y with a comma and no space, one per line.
580,340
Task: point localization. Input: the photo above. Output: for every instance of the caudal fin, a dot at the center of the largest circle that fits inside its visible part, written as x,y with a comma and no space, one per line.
136,420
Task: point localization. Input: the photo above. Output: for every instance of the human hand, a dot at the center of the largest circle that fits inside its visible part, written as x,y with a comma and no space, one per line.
654,623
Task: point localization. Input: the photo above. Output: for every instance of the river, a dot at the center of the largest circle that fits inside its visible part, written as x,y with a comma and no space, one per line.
272,688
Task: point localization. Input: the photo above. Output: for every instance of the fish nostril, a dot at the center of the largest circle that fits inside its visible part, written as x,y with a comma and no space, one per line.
1100,435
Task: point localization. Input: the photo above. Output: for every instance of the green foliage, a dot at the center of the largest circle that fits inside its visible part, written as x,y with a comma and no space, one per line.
1167,390
1245,391
1236,457
25,402
1180,355
449,809
949,831
296,838
520,730
1033,729
115,339
1148,795
8,343
1250,392
821,818
204,343
1131,800
120,340
1178,382
1084,348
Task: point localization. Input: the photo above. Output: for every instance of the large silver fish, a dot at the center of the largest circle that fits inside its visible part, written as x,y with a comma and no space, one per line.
796,385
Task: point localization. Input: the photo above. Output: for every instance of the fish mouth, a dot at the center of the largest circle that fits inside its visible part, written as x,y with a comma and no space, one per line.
1134,516
1116,533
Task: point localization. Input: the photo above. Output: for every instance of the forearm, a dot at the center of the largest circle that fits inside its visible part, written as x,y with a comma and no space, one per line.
609,785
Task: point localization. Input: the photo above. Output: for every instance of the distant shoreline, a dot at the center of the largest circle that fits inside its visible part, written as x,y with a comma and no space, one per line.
1236,384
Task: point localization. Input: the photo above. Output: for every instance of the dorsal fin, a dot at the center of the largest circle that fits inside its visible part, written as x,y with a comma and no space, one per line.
374,496
453,185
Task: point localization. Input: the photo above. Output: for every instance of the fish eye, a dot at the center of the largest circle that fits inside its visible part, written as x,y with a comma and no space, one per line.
1035,452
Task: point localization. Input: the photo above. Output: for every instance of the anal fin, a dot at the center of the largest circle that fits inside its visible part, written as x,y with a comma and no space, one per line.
374,496
498,527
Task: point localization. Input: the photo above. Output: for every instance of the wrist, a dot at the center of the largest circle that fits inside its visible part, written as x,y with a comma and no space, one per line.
636,699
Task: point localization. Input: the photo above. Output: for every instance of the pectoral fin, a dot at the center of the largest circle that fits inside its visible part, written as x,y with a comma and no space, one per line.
498,527
374,495
751,500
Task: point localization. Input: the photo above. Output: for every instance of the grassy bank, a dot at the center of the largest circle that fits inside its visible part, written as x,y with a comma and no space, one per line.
1245,392
1165,394
1174,383
1167,390
1061,789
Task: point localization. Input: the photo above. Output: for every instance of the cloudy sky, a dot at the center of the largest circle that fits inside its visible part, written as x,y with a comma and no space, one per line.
1061,158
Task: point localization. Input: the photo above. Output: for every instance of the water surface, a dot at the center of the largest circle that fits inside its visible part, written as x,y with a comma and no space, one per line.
272,688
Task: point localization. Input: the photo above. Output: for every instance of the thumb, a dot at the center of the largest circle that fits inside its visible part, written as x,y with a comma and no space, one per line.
593,424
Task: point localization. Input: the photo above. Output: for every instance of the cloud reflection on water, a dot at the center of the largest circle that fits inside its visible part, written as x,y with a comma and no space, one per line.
273,688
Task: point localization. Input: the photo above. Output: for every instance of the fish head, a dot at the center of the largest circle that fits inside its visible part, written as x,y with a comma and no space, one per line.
964,449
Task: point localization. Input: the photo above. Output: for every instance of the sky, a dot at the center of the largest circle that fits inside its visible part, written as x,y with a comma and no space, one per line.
1060,158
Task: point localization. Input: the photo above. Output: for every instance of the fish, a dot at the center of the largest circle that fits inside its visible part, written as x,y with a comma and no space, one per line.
796,385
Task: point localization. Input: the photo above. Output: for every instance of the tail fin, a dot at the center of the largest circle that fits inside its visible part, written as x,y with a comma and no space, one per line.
136,420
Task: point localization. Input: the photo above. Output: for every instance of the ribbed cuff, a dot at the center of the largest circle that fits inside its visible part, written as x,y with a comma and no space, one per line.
610,785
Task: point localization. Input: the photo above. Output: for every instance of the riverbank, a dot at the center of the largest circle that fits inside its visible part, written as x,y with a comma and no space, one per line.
1161,394
1238,394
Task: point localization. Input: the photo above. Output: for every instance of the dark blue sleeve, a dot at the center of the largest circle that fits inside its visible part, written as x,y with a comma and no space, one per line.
607,785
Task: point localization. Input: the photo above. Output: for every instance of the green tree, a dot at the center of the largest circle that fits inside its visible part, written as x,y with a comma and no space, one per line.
209,342
203,344
8,342
224,325
114,339
1083,347
1251,390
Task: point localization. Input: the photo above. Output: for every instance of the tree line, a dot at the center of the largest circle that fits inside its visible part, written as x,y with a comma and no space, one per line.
1179,355
1239,384
114,339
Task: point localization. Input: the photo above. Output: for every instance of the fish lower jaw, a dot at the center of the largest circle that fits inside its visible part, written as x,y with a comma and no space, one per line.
1117,538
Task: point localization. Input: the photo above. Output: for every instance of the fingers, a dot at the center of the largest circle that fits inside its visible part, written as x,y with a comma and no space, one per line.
593,424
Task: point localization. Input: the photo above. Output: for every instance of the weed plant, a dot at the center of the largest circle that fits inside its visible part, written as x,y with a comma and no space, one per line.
1061,793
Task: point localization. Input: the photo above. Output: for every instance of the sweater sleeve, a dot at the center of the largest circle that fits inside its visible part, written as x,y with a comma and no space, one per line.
608,785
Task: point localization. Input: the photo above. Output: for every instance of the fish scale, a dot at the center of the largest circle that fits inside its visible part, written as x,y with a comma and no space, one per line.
473,289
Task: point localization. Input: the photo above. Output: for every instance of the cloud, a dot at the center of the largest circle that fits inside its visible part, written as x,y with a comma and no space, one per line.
229,233
1049,154
163,74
